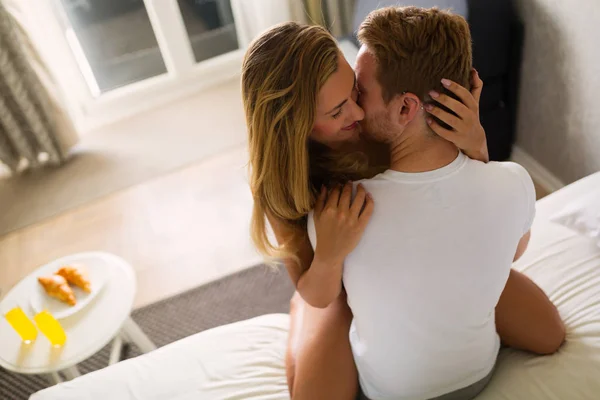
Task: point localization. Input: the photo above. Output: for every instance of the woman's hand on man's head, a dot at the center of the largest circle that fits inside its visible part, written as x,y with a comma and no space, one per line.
466,133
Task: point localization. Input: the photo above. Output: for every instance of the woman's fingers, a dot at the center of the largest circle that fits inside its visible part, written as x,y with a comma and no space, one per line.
447,134
367,212
359,201
454,105
346,196
476,85
333,198
452,120
463,94
320,204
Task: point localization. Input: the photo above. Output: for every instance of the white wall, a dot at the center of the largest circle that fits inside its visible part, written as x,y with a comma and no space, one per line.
559,109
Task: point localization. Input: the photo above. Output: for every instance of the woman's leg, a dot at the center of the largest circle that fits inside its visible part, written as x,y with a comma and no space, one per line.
319,362
526,319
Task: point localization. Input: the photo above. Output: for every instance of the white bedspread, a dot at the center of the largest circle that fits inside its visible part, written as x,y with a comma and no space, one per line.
567,267
246,360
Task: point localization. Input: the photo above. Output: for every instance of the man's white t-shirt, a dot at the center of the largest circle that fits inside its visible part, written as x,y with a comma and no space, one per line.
427,274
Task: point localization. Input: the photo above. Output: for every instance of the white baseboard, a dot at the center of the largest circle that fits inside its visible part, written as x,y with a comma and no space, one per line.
538,172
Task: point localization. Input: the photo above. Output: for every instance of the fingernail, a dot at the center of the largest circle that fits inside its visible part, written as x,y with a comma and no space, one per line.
429,121
428,107
446,82
434,94
369,196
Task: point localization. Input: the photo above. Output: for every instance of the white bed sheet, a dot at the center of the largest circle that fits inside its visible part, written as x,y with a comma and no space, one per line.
246,360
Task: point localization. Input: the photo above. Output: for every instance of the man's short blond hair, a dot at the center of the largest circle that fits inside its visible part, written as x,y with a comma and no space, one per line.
416,47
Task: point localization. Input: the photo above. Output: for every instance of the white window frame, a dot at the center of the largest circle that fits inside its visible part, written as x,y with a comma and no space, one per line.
184,76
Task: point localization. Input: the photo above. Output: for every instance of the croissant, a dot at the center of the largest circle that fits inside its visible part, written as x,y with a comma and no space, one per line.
76,276
57,286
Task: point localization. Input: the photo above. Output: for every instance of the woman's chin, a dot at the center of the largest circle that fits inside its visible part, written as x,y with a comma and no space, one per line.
352,135
341,138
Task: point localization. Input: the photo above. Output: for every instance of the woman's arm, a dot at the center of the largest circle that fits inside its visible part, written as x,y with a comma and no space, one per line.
467,133
317,279
339,224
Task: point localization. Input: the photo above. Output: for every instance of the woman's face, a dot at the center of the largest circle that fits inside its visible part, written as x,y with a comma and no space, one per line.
338,114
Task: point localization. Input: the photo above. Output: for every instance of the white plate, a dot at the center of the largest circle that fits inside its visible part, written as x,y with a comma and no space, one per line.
97,273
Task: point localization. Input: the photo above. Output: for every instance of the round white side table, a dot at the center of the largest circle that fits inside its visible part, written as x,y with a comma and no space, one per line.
105,318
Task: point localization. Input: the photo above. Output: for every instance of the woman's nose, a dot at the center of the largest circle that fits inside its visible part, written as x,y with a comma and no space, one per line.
358,114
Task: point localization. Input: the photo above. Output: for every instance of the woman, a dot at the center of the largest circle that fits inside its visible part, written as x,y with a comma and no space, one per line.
299,144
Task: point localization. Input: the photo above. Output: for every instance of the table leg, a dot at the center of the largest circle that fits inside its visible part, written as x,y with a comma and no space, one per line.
53,378
71,372
133,332
115,351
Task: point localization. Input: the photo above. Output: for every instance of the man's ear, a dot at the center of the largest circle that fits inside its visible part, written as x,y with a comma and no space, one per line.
406,108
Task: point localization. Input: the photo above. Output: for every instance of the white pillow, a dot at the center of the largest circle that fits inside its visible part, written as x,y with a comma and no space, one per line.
582,216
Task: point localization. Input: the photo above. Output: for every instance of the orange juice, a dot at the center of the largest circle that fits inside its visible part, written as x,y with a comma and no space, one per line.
51,328
22,324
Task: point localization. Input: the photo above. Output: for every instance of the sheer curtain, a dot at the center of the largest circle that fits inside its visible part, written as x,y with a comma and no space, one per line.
34,128
364,7
336,15
342,17
255,16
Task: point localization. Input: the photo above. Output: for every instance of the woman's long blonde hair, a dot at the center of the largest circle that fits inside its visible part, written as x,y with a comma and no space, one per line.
282,73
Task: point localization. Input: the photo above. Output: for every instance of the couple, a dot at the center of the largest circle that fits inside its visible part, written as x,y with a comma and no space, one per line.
404,280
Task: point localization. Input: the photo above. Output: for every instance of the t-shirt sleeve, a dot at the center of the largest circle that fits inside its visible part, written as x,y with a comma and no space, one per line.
526,195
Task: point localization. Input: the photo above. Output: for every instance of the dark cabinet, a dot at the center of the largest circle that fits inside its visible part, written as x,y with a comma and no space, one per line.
497,35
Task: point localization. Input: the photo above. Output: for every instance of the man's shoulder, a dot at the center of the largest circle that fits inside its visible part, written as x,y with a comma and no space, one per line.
514,172
379,178
500,169
509,167
505,179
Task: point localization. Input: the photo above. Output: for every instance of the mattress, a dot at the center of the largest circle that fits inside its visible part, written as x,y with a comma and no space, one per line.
245,360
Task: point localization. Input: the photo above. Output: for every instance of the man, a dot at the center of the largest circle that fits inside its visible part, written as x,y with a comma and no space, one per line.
425,279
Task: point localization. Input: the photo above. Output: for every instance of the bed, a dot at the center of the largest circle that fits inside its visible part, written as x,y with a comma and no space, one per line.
245,360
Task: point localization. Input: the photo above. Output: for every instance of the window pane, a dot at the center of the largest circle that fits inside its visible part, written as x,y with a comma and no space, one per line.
116,39
210,26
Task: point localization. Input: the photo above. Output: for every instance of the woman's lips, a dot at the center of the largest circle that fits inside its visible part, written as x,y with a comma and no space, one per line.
350,127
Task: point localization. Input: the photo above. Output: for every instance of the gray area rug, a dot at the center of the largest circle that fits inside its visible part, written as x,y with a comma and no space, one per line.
250,293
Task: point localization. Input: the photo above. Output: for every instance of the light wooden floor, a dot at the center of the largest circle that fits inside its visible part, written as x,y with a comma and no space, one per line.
178,231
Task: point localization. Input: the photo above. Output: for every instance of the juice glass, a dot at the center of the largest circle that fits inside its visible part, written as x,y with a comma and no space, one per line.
51,328
21,323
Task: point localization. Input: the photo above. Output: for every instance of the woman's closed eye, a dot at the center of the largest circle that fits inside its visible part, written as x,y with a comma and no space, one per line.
338,114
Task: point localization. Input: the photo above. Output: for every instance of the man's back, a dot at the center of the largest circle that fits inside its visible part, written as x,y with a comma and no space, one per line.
425,279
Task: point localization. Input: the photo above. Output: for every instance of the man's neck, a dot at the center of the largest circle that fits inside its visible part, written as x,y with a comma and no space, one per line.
421,152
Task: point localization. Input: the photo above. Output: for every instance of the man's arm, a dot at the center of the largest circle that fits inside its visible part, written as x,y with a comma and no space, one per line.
522,246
